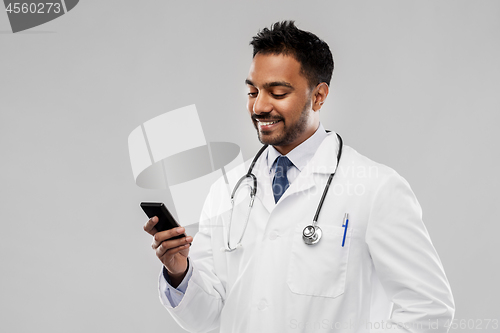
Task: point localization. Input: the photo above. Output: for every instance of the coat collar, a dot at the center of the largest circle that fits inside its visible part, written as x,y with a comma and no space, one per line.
325,159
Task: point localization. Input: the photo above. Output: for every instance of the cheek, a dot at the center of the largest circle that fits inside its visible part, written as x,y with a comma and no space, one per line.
288,110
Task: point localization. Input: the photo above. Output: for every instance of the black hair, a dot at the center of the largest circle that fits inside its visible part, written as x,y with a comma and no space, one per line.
312,53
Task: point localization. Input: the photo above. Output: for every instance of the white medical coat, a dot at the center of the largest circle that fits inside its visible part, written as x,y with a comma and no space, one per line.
386,278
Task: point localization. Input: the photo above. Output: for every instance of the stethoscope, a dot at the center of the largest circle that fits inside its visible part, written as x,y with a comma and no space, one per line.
311,233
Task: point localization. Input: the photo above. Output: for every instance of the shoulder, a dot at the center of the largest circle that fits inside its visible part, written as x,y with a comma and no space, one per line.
351,157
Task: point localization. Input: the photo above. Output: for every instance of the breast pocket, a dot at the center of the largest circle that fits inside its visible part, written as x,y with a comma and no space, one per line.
320,269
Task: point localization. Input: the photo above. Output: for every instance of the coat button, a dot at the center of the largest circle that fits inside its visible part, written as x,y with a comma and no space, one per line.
262,305
273,235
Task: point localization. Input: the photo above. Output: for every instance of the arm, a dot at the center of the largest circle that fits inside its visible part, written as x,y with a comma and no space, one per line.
405,260
200,306
174,294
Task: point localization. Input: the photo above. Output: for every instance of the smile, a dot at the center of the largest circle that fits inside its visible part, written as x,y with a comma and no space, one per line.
267,123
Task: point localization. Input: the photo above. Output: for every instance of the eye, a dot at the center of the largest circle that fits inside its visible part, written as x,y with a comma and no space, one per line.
279,95
252,94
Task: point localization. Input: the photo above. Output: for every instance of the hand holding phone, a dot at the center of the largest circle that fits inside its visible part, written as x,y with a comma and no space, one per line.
169,242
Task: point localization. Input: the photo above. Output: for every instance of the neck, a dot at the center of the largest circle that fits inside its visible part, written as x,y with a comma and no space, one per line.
285,149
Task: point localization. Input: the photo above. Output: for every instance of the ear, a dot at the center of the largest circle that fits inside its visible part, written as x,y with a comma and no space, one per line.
319,95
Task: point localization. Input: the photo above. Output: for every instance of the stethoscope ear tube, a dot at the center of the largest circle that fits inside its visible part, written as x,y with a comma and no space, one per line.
253,188
249,174
253,191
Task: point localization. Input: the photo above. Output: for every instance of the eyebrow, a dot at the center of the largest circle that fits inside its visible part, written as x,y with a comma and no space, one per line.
272,84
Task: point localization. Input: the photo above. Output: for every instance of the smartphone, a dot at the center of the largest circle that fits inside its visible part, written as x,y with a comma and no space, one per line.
165,219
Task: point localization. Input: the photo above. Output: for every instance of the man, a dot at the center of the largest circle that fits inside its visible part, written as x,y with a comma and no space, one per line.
373,269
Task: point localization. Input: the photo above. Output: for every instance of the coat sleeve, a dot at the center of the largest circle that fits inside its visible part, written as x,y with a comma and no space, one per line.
200,308
406,262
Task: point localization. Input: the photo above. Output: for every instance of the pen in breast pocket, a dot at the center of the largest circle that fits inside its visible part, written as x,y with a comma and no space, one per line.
345,224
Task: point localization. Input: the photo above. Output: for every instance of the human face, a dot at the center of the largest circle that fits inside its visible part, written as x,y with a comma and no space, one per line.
279,102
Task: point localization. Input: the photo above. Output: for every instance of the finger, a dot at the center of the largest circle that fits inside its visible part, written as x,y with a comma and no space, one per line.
170,253
171,244
149,227
164,235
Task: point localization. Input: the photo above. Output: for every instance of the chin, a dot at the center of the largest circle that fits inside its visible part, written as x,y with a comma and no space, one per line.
270,140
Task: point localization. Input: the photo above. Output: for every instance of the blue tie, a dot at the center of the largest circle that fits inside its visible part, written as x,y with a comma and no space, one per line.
280,181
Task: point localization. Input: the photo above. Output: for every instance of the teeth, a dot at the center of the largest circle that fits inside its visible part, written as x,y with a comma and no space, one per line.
267,123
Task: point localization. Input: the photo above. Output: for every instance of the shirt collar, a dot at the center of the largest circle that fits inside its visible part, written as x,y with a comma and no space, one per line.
301,154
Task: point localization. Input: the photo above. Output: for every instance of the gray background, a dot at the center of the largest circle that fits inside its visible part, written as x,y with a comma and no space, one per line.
416,87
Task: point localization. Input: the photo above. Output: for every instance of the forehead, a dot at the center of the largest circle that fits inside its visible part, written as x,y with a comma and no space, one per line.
267,68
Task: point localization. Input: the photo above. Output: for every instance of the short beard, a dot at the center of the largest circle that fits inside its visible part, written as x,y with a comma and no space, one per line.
289,134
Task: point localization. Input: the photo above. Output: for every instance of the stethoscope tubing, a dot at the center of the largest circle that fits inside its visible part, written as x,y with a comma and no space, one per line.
253,192
327,186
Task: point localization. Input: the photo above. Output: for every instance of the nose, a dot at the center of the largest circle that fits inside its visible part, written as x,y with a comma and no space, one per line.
262,104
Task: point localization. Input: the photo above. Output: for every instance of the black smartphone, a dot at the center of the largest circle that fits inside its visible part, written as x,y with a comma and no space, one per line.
165,219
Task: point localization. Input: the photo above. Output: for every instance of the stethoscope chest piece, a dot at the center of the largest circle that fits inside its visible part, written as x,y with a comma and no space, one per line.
311,234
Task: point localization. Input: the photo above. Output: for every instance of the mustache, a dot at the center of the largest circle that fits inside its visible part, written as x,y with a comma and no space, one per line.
265,117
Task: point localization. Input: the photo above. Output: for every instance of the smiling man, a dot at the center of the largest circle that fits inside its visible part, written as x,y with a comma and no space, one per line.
366,262
283,104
